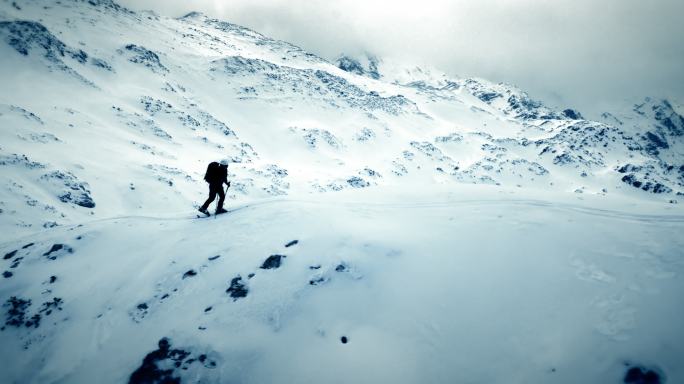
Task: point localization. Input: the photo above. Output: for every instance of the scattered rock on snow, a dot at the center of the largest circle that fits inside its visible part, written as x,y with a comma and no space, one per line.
141,55
141,310
16,262
17,309
72,189
291,243
272,262
189,273
18,315
237,288
58,250
318,280
165,364
10,255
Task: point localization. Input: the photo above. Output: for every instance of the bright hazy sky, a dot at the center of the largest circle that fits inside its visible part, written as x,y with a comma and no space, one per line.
576,53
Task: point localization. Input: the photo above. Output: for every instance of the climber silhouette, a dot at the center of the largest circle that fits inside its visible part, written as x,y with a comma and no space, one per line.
216,176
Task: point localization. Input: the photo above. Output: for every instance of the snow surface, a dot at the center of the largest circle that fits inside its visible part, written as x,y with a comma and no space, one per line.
387,224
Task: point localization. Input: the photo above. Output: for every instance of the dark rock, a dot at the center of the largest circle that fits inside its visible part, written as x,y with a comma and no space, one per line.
101,64
53,279
79,56
49,306
629,168
344,339
641,375
272,262
341,267
572,114
34,321
207,309
22,160
27,245
16,262
317,266
655,142
17,309
631,179
10,255
7,274
142,306
214,257
318,280
562,159
357,182
142,55
291,243
237,288
57,250
488,96
24,36
351,65
73,191
189,273
157,365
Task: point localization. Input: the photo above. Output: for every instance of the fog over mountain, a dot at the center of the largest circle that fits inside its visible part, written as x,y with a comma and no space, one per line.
590,55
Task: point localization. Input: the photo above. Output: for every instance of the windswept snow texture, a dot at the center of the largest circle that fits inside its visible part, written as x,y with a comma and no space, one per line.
467,285
386,224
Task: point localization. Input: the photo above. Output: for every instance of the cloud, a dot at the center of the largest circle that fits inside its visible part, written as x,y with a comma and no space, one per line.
583,53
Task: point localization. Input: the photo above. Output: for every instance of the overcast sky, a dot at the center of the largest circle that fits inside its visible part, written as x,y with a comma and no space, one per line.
578,53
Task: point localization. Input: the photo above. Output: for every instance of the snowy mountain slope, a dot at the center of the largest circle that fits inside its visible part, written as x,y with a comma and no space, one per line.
505,286
586,293
170,95
451,229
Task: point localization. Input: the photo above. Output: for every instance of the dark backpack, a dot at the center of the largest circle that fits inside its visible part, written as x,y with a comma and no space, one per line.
213,172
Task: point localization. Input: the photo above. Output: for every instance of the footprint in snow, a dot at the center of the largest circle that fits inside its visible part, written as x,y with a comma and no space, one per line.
591,272
617,317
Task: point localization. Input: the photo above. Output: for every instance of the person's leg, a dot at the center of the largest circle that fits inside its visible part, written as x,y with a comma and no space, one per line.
222,197
212,196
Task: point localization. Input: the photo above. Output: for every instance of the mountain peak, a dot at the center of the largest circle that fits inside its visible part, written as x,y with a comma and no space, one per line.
193,15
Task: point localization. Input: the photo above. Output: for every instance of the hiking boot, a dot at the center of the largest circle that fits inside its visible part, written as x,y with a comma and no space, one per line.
203,210
220,210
